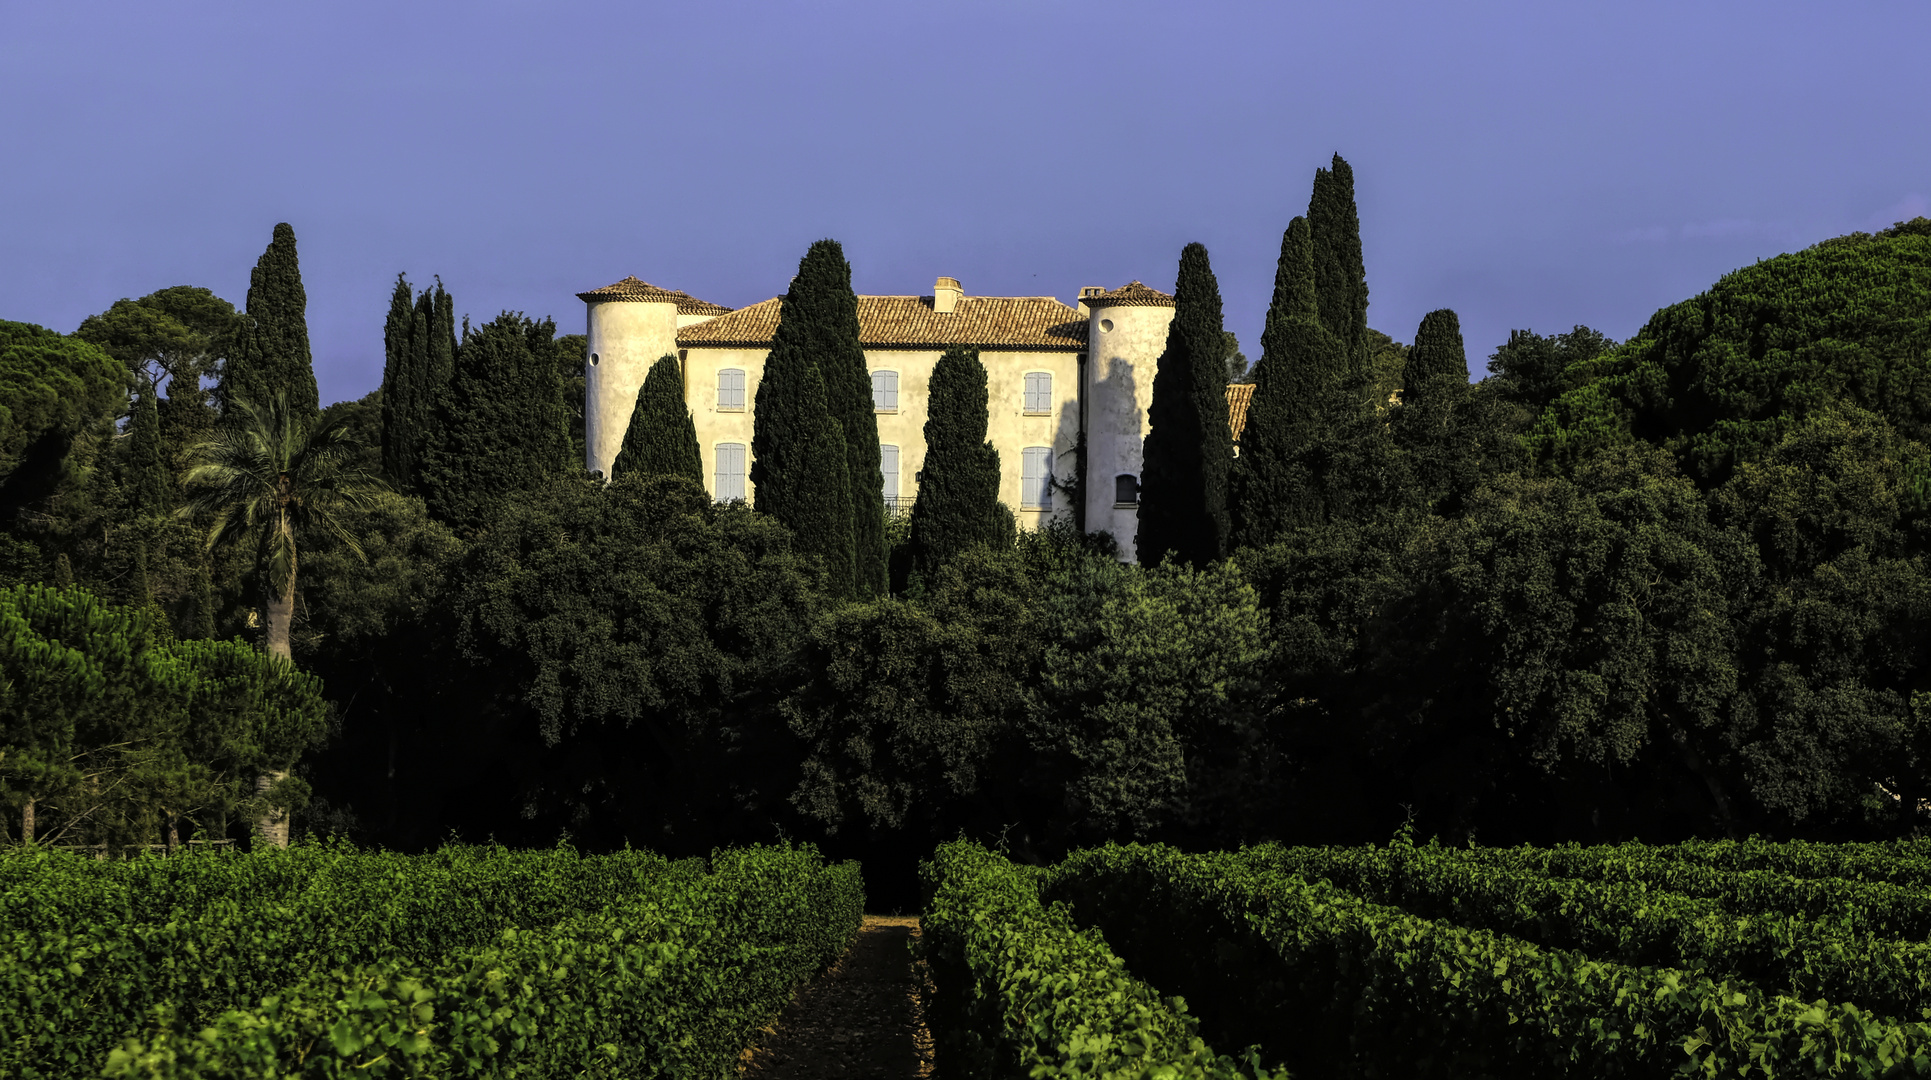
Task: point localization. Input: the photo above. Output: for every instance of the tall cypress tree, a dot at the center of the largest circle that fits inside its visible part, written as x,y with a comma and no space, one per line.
958,501
1340,276
150,493
502,425
822,305
1183,487
1437,351
662,438
270,354
1302,364
799,456
419,341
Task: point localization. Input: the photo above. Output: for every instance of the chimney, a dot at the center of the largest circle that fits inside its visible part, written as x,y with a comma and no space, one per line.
946,293
1085,292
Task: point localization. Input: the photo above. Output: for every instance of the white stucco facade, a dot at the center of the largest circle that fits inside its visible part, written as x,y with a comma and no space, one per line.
1052,372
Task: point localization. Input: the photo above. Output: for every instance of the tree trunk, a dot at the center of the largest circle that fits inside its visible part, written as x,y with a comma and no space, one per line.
273,825
27,822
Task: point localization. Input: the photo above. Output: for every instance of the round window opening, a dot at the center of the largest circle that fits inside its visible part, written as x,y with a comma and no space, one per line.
593,359
1106,326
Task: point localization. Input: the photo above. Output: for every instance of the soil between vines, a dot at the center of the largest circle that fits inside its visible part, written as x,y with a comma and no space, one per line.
863,1018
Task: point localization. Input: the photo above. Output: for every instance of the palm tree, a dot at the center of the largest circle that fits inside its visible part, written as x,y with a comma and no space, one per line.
268,481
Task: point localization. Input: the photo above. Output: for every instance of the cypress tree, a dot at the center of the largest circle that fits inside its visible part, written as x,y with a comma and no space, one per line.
958,501
799,458
1340,277
200,623
662,438
271,354
1183,487
1302,364
1437,351
150,494
822,306
502,428
419,342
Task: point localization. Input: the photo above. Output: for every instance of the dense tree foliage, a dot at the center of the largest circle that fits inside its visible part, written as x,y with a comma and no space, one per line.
1340,275
661,439
419,350
800,461
270,354
958,505
1183,485
502,428
52,389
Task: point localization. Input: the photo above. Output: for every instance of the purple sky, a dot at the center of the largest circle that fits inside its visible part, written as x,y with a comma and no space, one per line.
1530,165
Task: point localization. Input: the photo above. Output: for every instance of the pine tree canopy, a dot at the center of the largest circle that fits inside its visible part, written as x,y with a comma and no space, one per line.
419,342
662,438
1437,351
271,354
1340,277
502,424
799,457
822,308
958,501
1183,486
52,387
1302,364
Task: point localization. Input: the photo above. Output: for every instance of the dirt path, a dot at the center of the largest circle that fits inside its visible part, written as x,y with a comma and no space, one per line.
862,1019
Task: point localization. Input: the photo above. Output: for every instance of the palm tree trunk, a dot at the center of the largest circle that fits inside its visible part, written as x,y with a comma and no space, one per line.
27,822
273,825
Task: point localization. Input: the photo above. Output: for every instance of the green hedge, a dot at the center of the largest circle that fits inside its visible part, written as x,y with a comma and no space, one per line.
1022,992
235,982
1630,923
1343,987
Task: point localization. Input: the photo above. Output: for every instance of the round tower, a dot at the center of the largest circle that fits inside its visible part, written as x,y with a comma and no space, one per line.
632,325
1126,331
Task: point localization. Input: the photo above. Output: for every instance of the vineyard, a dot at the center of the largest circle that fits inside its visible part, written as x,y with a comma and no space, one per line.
322,961
1699,959
1420,961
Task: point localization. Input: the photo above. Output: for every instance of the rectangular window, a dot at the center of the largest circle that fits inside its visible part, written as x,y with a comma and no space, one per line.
1039,392
730,470
888,472
885,391
730,390
1036,478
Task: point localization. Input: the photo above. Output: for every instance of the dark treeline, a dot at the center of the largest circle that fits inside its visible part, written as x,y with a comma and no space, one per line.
1666,587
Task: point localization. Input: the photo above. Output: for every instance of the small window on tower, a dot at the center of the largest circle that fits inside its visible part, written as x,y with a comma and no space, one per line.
885,391
1038,397
1126,490
730,390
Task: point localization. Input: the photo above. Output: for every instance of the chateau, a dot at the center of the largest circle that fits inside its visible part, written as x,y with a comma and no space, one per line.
1052,371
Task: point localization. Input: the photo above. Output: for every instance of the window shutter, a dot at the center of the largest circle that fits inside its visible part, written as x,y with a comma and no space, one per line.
885,390
730,470
730,388
1035,478
888,473
1039,392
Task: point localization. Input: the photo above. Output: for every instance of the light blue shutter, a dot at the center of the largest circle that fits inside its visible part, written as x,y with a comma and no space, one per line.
730,389
888,472
885,390
1035,478
730,469
1039,391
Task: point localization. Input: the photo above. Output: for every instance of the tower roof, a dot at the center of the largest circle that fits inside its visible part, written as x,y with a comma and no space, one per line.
644,292
1132,294
911,322
1239,396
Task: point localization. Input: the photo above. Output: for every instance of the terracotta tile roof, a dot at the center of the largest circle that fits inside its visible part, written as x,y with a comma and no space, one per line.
888,322
632,289
1239,396
1132,294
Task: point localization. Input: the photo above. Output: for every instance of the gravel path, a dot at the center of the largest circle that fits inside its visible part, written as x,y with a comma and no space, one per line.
862,1019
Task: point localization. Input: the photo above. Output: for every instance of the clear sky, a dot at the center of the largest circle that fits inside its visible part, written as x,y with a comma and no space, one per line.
1527,164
